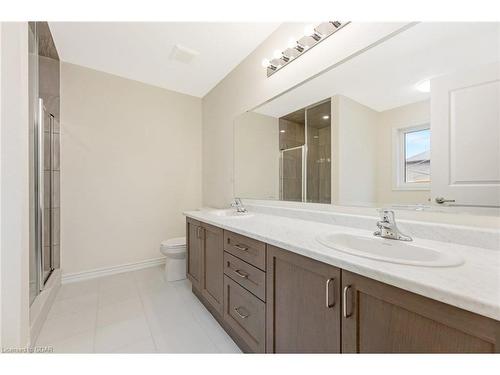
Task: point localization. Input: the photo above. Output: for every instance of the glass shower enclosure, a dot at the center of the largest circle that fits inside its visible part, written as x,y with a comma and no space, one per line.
44,157
292,174
305,154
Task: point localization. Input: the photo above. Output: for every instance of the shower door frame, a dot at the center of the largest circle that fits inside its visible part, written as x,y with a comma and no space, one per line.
43,274
303,170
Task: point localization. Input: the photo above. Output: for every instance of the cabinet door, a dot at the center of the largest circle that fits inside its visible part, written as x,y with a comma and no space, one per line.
212,269
193,241
303,304
379,318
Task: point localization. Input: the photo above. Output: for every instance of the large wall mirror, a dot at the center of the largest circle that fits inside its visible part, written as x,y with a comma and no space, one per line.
412,122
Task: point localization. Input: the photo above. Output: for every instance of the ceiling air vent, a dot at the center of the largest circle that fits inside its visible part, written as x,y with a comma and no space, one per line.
183,54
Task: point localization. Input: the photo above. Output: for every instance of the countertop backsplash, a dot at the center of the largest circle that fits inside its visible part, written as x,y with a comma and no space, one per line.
486,238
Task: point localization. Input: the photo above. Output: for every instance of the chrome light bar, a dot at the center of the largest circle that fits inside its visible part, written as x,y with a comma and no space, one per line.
312,38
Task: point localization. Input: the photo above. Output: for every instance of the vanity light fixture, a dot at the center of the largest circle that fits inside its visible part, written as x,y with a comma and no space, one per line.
309,30
424,86
296,48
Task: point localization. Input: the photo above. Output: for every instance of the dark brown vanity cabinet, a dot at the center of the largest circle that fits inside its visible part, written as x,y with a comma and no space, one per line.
205,261
303,304
193,261
379,318
246,315
212,253
245,290
247,249
275,301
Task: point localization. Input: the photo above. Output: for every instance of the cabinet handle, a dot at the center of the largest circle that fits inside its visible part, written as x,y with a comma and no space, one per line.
240,247
242,316
327,292
241,274
344,302
198,232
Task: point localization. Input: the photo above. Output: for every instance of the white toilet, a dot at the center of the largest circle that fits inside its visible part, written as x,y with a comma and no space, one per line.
174,250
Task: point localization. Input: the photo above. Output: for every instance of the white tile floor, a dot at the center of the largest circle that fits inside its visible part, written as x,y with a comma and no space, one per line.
133,312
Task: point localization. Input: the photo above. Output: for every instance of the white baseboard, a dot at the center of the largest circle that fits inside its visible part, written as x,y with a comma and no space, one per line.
106,271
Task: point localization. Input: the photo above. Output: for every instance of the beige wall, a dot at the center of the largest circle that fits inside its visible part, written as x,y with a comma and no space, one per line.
363,154
14,189
354,138
247,87
130,164
256,156
408,115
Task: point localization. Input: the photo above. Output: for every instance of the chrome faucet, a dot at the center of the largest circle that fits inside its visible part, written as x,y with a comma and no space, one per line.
239,206
387,227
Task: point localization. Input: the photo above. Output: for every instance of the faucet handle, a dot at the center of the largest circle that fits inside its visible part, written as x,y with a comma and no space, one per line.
239,205
386,215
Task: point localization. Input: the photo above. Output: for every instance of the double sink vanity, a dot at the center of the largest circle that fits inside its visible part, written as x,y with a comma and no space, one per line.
285,280
310,267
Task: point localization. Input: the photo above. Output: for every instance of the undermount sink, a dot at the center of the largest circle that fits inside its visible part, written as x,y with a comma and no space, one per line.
387,250
229,213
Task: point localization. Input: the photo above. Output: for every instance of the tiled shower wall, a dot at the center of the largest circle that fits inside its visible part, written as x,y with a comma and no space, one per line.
319,165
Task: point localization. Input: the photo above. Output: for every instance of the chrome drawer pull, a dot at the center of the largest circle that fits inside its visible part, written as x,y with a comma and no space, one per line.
242,248
242,316
344,302
327,291
241,274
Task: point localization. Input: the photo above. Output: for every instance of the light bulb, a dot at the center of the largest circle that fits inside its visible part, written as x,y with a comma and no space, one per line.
424,86
291,43
326,117
309,30
265,63
277,54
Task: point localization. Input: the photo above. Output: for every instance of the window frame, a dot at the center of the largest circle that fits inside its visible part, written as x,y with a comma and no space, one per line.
398,163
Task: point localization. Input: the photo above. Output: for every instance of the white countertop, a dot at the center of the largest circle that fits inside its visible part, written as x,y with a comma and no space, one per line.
473,286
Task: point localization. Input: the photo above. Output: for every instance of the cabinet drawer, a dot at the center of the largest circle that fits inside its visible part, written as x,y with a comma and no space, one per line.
248,276
248,249
245,314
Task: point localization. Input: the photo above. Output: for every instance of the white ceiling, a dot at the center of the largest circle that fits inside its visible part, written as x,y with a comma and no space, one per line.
141,50
385,76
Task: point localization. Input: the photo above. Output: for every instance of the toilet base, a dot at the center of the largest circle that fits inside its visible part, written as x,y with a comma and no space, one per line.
175,270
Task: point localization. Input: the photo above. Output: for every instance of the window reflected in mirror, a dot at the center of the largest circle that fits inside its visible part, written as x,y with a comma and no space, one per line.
417,156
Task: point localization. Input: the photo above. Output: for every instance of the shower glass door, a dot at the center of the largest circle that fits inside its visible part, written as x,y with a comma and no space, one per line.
44,192
44,152
318,140
292,174
305,154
